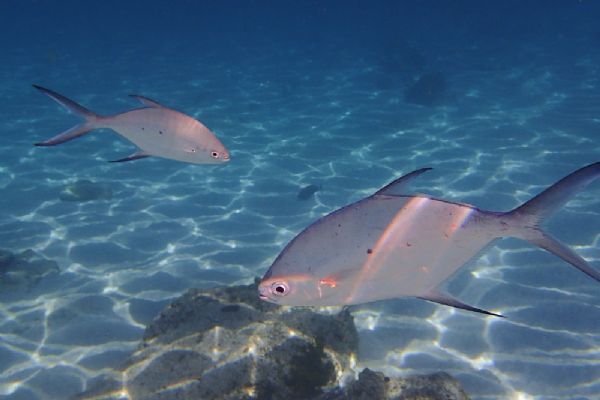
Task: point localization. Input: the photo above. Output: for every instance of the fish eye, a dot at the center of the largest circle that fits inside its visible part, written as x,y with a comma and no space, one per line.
193,150
214,154
279,288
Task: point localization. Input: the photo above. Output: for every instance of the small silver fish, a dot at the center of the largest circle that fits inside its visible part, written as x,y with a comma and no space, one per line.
391,245
156,130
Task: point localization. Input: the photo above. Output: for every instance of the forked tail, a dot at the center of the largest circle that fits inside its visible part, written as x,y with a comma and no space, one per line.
78,130
528,217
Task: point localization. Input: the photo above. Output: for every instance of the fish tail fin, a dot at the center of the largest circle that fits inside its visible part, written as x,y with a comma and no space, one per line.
527,218
89,123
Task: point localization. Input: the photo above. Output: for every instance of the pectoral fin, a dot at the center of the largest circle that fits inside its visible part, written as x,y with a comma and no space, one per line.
338,277
135,156
447,300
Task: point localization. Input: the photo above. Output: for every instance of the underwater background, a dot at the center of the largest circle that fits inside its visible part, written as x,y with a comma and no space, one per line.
501,98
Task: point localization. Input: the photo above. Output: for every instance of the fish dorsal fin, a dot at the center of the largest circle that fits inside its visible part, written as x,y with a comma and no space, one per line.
147,102
398,187
447,300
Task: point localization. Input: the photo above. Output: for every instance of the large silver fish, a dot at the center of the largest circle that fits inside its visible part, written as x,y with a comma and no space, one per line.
156,130
392,245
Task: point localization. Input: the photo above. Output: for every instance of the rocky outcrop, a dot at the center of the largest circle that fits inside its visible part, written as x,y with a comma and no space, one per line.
375,386
225,343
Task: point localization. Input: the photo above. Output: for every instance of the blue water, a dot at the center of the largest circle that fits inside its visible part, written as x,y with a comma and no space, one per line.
301,93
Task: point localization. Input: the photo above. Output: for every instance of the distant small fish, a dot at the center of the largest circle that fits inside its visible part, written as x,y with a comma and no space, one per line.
306,192
392,245
156,130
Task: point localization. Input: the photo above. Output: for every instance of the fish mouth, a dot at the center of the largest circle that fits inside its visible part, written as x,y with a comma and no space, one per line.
263,295
267,298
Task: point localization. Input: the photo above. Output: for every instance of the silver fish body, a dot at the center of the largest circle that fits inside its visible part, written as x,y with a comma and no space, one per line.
390,245
156,131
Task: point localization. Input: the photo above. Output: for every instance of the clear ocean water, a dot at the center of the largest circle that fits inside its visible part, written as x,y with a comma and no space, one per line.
309,92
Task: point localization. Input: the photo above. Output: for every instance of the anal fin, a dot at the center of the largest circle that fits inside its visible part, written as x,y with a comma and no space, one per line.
447,300
135,156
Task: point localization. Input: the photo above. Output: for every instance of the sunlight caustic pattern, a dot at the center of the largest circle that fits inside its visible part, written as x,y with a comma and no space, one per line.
169,226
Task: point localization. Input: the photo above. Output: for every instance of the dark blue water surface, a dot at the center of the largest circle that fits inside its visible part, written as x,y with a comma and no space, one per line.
501,98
